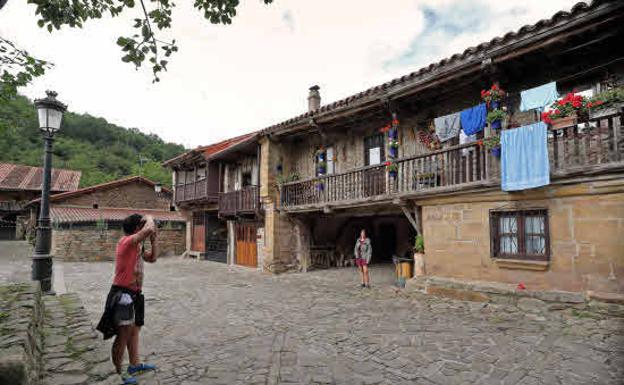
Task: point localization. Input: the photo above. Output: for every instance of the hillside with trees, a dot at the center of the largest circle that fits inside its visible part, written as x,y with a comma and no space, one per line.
101,150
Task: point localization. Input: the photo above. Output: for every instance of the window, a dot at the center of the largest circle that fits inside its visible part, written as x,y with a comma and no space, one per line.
520,234
374,149
331,164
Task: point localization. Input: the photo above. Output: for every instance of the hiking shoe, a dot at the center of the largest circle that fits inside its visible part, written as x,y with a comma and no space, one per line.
140,368
127,379
362,285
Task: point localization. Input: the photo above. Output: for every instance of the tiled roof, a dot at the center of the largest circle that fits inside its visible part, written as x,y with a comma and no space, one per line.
211,149
20,177
104,186
60,214
478,53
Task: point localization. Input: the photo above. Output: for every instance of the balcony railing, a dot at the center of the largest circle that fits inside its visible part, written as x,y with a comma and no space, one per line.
194,192
239,202
587,148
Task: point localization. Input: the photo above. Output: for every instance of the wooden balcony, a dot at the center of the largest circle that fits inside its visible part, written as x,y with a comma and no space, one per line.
197,191
239,202
585,149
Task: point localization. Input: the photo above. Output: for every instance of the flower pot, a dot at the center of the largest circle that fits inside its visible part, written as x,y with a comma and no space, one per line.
321,170
494,104
604,112
393,152
320,187
496,151
496,124
392,134
566,121
419,264
392,174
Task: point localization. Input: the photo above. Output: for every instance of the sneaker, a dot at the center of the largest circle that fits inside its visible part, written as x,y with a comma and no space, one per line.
127,379
362,285
368,286
140,368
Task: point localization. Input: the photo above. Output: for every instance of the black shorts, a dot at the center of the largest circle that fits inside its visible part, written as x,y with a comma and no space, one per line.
127,314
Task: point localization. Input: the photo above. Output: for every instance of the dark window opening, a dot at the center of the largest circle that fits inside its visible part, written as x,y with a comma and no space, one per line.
95,206
246,179
520,234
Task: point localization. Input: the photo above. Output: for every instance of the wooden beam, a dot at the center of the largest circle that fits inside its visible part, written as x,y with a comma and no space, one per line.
409,217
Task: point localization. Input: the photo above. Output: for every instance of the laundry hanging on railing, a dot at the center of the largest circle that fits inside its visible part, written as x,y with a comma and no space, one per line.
524,158
447,127
473,119
538,97
465,139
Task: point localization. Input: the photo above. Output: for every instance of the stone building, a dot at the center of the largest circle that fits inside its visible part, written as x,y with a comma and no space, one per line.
87,222
21,184
324,176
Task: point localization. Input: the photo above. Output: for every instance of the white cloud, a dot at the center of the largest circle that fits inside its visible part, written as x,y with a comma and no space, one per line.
227,80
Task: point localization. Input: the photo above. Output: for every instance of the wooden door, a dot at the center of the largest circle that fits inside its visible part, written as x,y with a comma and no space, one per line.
198,235
246,250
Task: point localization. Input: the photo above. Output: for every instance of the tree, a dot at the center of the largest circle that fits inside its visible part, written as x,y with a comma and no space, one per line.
18,68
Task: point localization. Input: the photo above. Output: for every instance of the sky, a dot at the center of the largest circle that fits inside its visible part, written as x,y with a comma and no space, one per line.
230,80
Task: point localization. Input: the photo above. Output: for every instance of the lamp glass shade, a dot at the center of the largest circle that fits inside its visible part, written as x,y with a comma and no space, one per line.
158,188
50,118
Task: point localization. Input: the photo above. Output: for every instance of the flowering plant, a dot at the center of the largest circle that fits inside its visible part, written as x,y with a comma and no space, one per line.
491,142
495,93
607,99
568,105
496,115
391,166
393,144
385,129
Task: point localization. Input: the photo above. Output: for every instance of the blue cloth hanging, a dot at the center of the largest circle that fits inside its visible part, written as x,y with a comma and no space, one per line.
524,159
538,97
473,119
447,127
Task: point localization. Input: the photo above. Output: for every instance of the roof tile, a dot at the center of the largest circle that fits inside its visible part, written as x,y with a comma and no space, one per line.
20,177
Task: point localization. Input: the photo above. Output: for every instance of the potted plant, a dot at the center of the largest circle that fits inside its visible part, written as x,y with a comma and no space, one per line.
393,148
321,167
606,103
493,96
392,169
493,144
495,118
566,112
419,256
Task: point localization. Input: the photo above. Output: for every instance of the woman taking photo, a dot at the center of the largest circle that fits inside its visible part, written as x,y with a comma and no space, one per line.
363,252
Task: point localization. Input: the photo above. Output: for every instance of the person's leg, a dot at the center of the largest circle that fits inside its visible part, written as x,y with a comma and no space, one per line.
360,269
365,274
133,346
119,346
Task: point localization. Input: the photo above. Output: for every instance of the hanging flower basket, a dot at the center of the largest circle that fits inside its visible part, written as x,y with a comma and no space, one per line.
496,151
493,96
495,118
392,169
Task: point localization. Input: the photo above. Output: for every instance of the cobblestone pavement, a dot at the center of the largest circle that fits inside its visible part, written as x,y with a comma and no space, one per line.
207,323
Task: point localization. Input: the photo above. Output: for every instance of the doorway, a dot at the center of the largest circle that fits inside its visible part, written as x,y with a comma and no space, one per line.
246,246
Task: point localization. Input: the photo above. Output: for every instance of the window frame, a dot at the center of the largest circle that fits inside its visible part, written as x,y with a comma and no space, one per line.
370,142
521,235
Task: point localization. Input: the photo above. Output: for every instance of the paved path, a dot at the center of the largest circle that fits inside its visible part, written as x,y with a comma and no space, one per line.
207,323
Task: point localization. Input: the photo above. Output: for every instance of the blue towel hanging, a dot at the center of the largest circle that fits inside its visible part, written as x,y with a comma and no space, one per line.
473,119
524,159
538,97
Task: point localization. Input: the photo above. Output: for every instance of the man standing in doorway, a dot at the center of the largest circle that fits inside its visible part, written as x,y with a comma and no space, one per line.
125,305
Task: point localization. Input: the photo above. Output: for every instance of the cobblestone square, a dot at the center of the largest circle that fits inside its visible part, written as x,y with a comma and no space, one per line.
207,323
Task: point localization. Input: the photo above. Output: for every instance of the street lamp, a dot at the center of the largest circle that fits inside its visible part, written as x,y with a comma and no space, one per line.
50,112
157,188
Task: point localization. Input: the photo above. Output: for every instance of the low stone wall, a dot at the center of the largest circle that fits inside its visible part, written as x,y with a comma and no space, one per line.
92,244
21,325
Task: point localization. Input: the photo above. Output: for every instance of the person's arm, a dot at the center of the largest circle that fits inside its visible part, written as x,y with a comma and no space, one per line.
356,249
147,230
152,255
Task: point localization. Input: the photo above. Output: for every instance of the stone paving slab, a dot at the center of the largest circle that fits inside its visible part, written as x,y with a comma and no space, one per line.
207,323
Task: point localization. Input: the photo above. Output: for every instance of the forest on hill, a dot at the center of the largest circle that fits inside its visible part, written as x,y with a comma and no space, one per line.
101,150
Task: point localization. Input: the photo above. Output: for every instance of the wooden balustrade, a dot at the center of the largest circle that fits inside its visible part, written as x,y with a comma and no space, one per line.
194,191
245,201
586,148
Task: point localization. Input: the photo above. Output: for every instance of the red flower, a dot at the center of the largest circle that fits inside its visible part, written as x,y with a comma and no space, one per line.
387,163
576,104
494,87
395,122
521,286
598,102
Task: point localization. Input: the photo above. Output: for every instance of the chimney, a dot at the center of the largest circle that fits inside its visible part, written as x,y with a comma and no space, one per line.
314,99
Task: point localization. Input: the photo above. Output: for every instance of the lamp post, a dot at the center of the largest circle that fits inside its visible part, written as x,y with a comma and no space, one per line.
50,112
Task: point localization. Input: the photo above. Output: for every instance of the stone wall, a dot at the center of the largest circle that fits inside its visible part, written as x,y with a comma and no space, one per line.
21,339
132,195
586,237
93,244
